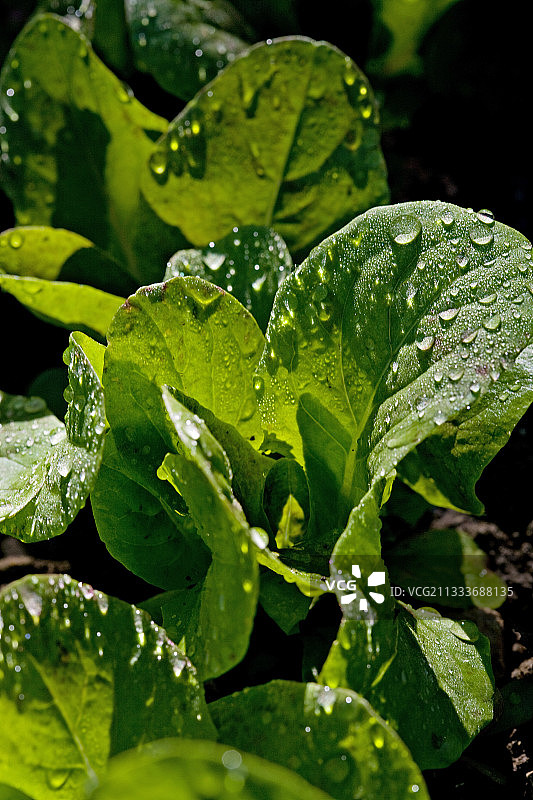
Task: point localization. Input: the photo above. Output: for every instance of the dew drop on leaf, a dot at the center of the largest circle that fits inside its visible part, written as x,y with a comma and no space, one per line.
15,239
481,237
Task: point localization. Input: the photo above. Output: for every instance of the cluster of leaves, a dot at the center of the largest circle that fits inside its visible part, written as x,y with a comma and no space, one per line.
238,424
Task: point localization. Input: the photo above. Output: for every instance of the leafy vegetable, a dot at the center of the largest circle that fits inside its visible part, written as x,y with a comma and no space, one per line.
70,305
215,632
48,469
85,676
63,98
302,121
194,768
142,529
55,254
240,433
184,44
392,327
250,263
331,737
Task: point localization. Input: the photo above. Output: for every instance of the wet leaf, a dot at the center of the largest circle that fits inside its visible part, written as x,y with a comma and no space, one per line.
54,254
400,323
183,44
447,568
84,676
331,737
143,529
447,465
302,122
75,139
70,305
250,263
188,334
215,629
48,468
200,769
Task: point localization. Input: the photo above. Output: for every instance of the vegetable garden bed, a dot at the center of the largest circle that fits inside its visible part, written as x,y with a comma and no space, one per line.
265,451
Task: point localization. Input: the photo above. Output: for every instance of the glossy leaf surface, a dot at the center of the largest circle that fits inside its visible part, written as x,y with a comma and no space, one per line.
183,44
331,737
142,529
216,630
188,334
392,327
48,468
84,676
250,263
70,305
302,123
75,140
56,254
199,769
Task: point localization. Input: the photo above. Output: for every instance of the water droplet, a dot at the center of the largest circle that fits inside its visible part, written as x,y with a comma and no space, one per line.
468,337
259,387
488,299
57,778
492,323
426,343
485,216
447,219
124,93
405,230
468,631
350,75
158,162
475,388
462,262
449,314
481,237
456,374
15,239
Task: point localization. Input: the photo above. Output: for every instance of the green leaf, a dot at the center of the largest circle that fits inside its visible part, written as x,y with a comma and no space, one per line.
143,530
367,637
75,139
192,769
47,469
190,335
443,667
331,737
392,327
303,127
283,601
70,305
447,465
517,702
84,676
445,567
249,467
250,263
216,630
406,24
437,691
183,44
9,793
286,501
55,254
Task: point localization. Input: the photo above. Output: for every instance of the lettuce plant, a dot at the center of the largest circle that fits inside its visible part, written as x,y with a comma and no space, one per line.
238,425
